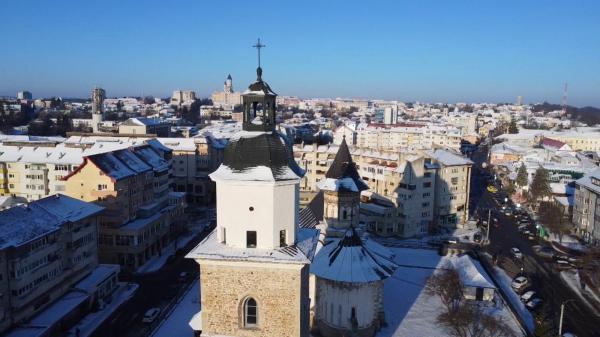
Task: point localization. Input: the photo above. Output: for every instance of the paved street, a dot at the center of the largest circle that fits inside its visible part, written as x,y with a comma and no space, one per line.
579,318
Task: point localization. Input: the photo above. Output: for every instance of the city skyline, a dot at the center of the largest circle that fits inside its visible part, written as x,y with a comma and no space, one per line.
442,52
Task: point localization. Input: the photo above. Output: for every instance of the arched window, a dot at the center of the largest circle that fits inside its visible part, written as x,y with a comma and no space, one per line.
344,214
250,312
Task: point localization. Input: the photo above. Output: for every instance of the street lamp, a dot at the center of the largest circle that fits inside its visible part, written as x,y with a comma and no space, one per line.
562,312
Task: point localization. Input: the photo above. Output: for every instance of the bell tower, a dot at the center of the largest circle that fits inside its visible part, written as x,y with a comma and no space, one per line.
259,102
254,266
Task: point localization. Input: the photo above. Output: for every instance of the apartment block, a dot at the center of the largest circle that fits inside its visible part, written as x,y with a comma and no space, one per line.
402,136
429,190
46,247
452,188
142,215
586,208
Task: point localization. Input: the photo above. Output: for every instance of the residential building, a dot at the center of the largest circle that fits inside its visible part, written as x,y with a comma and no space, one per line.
452,188
180,97
46,247
586,209
142,215
144,126
427,189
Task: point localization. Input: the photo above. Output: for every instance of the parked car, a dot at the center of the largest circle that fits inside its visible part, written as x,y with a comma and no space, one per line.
534,303
516,253
151,315
520,283
528,296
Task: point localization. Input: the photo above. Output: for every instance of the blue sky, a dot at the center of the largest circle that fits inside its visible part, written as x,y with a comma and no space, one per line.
413,51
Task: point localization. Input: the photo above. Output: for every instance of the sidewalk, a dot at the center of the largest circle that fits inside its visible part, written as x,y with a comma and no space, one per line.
177,322
92,321
157,262
571,278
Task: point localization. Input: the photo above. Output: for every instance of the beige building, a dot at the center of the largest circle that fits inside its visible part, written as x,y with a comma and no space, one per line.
46,247
193,159
180,97
414,184
402,136
144,126
452,188
227,97
142,215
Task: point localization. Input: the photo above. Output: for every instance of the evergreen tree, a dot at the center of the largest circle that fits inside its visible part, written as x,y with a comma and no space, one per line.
512,127
522,176
540,187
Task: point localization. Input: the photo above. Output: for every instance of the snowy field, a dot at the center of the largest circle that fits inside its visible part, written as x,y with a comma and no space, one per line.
409,311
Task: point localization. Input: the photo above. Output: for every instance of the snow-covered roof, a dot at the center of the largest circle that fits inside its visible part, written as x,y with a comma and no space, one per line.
147,154
302,252
258,156
24,223
471,273
110,165
586,181
449,158
350,259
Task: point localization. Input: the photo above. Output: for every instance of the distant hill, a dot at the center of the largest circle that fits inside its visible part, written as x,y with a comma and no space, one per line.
588,114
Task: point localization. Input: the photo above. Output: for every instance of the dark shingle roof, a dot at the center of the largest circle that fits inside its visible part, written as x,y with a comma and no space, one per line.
344,167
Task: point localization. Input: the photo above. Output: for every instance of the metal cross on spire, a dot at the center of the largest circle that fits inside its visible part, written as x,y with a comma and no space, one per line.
258,45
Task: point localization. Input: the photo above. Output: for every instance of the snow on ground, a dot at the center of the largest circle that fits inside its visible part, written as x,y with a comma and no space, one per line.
571,278
409,311
504,281
568,241
92,321
176,324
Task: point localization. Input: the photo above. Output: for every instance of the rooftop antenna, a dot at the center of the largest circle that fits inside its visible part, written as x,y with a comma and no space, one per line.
564,100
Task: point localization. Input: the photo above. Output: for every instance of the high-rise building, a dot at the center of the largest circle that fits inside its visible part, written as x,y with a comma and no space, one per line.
98,96
24,95
180,97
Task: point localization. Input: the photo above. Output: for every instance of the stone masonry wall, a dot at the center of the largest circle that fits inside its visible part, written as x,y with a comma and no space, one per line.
281,293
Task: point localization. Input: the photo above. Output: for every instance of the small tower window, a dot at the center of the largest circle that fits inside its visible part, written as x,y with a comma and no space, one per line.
344,214
282,238
251,239
250,313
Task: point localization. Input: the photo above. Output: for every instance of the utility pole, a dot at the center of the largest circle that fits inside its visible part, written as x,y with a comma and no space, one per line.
487,234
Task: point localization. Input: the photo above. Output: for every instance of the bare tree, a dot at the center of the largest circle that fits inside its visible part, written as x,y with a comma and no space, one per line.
447,285
470,321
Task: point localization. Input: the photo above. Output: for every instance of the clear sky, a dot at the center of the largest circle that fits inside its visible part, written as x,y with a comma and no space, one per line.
447,50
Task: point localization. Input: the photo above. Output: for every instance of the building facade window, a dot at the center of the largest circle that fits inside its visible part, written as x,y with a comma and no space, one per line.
251,239
250,313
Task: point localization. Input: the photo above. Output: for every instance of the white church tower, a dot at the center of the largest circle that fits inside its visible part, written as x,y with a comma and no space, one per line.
254,267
